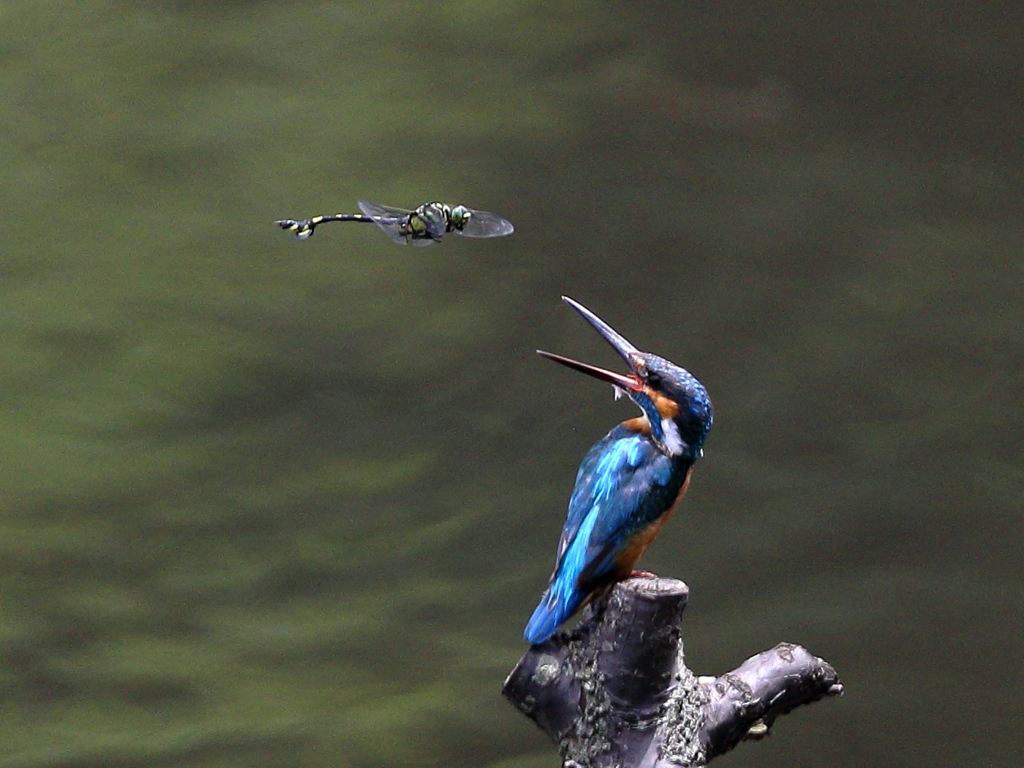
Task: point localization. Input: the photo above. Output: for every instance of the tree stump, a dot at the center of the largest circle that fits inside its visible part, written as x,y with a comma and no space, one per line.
615,690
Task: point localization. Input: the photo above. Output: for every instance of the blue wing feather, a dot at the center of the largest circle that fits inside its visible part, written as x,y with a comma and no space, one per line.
624,484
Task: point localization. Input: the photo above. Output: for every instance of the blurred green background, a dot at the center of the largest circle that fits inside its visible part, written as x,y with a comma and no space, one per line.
271,503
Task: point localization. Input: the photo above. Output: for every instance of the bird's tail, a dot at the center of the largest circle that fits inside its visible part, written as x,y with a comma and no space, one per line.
555,607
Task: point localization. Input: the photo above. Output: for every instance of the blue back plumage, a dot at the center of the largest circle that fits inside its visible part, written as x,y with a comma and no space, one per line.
624,484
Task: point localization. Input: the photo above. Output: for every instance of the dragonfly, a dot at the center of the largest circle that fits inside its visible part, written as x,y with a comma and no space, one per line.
423,226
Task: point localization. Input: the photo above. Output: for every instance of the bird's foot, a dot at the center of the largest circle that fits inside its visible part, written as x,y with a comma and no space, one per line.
642,575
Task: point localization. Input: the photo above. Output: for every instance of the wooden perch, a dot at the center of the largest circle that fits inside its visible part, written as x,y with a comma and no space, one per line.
615,691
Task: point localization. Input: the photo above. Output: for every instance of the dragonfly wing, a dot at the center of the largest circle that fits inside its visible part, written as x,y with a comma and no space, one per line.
484,224
393,229
436,228
383,211
387,218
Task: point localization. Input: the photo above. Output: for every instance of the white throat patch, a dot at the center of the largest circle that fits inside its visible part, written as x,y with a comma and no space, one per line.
673,440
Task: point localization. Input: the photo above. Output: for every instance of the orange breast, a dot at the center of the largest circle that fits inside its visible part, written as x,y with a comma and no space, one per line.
635,548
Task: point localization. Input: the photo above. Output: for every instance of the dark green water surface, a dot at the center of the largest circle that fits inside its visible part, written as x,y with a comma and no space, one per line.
270,503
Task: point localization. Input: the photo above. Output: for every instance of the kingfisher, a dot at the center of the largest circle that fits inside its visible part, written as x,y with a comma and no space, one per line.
629,482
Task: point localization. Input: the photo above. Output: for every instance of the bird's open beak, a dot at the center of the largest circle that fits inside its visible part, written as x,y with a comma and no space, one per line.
627,351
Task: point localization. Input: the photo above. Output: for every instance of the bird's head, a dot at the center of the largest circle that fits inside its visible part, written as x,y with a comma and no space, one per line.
675,404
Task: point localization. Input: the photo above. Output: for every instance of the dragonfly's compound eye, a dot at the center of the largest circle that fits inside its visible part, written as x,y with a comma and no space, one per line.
459,216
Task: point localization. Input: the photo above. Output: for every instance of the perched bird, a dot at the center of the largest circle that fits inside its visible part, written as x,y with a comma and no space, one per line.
628,483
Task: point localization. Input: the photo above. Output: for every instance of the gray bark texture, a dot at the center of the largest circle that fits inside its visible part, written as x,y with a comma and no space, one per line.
615,691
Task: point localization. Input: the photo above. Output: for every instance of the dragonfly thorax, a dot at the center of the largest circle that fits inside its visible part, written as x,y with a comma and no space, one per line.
429,220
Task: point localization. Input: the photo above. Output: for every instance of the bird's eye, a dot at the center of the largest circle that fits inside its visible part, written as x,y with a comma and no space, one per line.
653,378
